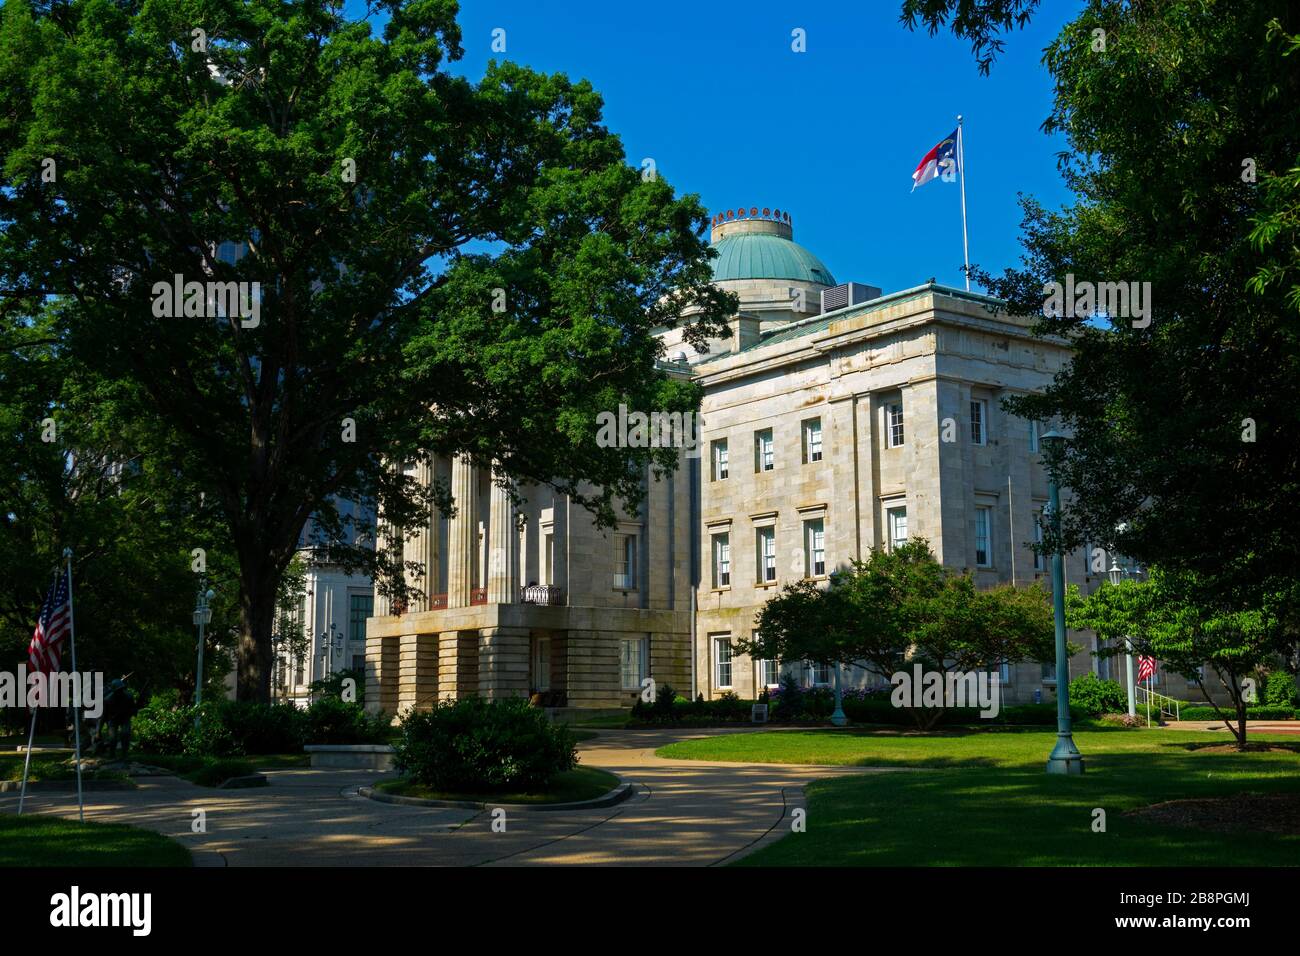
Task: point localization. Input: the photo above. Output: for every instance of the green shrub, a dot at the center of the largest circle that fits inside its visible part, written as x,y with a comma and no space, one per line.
1120,720
1252,713
334,721
1280,690
1094,696
263,729
217,772
160,726
472,745
211,737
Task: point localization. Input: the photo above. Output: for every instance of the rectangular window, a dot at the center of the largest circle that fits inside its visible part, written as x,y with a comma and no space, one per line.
764,452
1049,673
766,555
895,414
548,558
812,440
722,662
1033,436
815,533
983,545
541,664
634,654
819,674
1101,664
358,662
625,561
360,607
1040,560
897,520
769,671
722,560
720,460
979,424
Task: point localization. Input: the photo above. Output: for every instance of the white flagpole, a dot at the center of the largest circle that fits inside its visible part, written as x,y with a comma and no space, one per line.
27,763
76,710
961,168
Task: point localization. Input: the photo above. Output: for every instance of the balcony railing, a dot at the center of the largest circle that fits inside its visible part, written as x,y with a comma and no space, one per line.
548,594
478,596
437,602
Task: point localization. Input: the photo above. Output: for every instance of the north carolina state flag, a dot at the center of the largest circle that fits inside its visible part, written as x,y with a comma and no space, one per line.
943,158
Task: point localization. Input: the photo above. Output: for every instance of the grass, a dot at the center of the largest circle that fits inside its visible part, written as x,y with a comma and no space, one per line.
48,766
617,722
581,783
986,801
37,840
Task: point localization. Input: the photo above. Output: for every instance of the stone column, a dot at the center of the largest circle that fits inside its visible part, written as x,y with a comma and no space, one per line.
503,662
417,549
457,664
503,547
381,674
417,672
464,534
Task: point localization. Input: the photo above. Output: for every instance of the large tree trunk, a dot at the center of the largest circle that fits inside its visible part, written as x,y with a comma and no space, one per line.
256,620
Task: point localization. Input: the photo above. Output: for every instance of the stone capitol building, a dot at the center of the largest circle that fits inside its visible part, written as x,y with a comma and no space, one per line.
835,419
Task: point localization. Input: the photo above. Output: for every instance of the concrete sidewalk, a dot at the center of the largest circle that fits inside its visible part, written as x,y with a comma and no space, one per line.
684,812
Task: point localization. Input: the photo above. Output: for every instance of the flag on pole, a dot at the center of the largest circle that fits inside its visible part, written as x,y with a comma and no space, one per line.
52,626
940,160
1146,668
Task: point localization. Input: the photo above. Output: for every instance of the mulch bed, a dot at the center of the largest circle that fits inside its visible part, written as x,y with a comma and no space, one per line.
1261,812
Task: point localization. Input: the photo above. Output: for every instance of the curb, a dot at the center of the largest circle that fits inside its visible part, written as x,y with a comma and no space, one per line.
239,783
63,786
615,796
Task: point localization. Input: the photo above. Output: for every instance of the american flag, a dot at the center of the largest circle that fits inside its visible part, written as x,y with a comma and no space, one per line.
1146,668
52,627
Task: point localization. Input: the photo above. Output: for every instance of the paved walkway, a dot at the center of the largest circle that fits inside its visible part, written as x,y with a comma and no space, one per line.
683,812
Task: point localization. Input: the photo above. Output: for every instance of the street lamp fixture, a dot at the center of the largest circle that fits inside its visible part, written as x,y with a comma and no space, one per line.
1065,757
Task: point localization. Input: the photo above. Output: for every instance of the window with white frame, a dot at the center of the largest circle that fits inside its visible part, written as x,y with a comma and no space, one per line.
896,520
1004,673
983,541
722,662
625,561
1049,673
541,664
894,414
812,440
815,547
766,538
979,421
1033,436
769,671
722,560
634,661
720,460
819,675
548,558
764,451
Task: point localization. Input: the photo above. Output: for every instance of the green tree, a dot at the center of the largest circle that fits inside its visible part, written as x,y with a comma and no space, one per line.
901,608
445,266
1180,123
1175,618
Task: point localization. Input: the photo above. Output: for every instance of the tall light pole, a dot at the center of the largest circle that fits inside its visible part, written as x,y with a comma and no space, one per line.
1116,574
202,617
1065,757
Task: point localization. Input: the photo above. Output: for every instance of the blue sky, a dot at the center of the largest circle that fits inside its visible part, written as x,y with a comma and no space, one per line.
714,94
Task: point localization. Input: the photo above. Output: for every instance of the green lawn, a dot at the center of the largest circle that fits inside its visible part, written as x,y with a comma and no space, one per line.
581,783
987,801
38,840
52,766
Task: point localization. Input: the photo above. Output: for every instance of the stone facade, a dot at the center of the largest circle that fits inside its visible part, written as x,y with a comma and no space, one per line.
842,432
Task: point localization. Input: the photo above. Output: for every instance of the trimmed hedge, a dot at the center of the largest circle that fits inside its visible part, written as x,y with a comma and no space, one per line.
230,728
1252,713
1094,696
473,745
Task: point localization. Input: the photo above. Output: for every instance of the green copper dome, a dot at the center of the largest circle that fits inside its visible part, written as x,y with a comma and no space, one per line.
762,256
